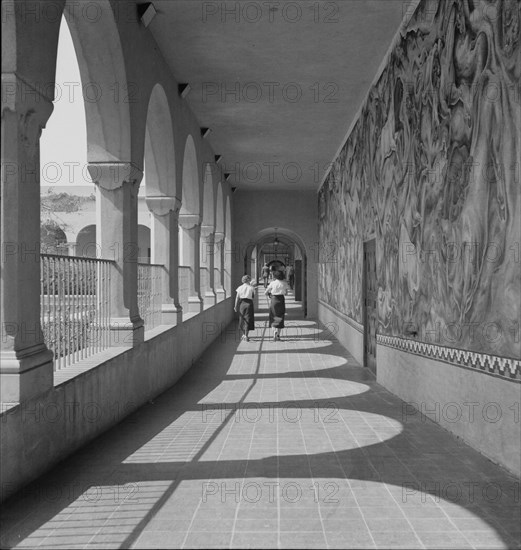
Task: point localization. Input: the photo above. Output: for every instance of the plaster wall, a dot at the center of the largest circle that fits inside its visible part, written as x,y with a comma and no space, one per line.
342,327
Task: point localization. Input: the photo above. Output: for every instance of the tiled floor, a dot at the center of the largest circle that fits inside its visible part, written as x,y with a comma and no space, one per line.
271,445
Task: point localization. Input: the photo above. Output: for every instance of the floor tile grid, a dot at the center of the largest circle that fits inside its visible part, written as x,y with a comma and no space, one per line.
43,532
71,525
445,510
277,436
229,420
312,478
391,493
235,534
212,425
179,442
346,475
189,528
398,458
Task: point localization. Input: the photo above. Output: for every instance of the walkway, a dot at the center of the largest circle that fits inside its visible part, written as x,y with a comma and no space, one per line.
267,444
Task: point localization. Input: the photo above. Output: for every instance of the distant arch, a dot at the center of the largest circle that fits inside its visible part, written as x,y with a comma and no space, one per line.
264,235
86,242
286,237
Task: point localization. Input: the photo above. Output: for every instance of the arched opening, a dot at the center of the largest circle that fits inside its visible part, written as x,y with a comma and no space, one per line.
219,245
63,145
189,232
104,83
159,188
86,242
228,248
91,119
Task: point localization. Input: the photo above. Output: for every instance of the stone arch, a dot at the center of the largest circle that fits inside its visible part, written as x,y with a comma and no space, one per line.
189,275
219,210
107,93
160,175
228,246
265,234
86,242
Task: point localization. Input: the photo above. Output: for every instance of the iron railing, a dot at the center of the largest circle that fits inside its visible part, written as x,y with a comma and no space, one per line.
184,279
150,293
205,279
75,306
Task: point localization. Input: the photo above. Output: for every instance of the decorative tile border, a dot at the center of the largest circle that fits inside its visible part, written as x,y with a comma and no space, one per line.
491,364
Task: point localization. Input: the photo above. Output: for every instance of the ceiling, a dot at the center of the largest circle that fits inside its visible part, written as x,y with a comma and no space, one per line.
278,82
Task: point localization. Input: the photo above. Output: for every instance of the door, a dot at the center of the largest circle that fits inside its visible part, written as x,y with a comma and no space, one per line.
370,310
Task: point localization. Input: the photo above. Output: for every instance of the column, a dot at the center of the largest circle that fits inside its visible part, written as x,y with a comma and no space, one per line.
71,249
227,263
165,251
26,365
116,238
207,262
190,225
219,266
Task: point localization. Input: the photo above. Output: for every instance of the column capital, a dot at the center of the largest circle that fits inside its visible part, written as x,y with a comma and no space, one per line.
30,108
20,97
112,175
161,206
219,236
207,232
189,221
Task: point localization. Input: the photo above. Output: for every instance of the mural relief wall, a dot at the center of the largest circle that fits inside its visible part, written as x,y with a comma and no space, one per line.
431,170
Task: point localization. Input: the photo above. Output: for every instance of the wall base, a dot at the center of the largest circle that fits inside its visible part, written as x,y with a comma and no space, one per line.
345,330
483,410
